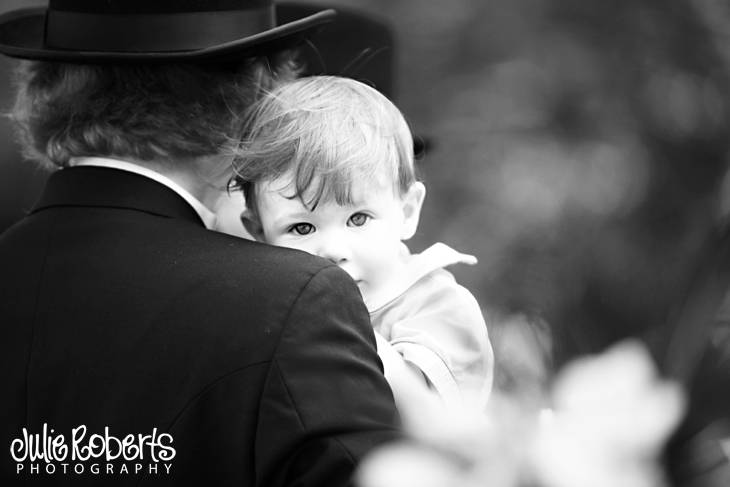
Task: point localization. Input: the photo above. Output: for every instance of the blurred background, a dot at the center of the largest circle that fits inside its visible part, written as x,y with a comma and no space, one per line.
578,148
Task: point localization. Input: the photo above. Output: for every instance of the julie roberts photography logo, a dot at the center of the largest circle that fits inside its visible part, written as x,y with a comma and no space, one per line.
50,452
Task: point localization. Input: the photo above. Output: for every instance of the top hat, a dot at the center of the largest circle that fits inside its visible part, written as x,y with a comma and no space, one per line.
151,31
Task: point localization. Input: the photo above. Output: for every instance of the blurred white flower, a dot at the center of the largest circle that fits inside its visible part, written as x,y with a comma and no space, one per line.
610,418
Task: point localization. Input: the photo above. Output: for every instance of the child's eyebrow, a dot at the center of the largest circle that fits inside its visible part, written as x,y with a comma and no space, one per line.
287,217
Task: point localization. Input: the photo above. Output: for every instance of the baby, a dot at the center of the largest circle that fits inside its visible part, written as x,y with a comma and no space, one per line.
328,168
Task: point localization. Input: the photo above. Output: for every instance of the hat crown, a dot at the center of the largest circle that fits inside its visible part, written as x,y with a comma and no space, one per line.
157,26
131,7
102,31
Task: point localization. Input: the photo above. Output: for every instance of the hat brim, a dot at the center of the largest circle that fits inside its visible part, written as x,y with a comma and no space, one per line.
21,36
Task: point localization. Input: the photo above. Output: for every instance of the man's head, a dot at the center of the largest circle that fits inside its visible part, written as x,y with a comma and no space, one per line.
148,82
149,113
328,168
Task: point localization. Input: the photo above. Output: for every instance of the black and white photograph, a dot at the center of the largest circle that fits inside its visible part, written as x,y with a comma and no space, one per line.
365,243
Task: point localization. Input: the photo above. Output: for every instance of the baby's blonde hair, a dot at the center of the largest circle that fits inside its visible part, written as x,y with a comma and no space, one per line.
331,132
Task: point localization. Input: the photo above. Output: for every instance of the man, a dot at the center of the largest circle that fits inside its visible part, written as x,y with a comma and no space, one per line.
137,346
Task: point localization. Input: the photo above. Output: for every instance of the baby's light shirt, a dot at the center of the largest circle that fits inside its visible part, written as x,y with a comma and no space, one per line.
437,325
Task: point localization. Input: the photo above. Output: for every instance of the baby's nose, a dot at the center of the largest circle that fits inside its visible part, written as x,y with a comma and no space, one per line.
335,250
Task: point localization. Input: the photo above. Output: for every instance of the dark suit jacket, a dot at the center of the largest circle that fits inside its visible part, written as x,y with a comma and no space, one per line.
119,309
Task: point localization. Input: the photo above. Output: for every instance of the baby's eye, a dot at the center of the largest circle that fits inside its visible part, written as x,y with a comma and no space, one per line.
302,228
359,219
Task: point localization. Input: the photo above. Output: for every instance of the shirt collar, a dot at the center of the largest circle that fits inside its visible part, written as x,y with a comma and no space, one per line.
208,217
416,267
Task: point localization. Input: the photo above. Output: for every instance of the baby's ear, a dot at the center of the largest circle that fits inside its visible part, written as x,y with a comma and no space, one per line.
412,203
252,224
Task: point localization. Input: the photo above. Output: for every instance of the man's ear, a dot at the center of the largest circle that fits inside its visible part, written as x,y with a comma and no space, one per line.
252,224
412,203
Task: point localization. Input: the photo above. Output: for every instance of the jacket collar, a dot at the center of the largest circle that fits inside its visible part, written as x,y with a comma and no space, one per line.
88,186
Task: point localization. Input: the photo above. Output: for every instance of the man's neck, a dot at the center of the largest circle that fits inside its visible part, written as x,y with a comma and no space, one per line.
205,191
193,180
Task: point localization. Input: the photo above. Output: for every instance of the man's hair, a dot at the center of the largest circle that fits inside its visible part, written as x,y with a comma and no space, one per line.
330,132
142,112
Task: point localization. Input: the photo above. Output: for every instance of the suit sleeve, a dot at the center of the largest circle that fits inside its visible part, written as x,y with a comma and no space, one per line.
326,402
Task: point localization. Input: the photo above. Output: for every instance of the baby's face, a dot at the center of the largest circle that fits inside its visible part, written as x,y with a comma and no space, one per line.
363,238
